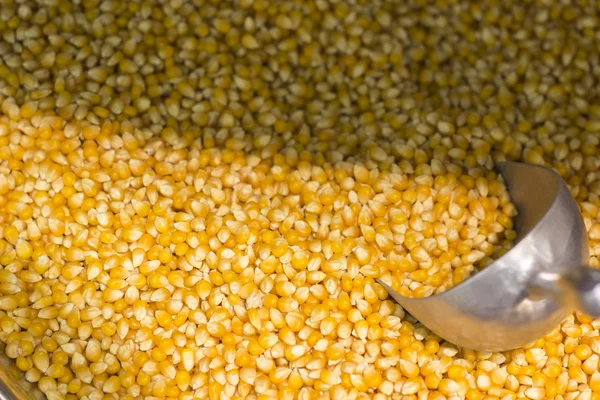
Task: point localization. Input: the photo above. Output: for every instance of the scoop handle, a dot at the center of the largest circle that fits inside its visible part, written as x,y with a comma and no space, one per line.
579,289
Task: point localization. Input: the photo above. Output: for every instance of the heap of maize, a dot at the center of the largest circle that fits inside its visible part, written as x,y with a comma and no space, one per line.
196,196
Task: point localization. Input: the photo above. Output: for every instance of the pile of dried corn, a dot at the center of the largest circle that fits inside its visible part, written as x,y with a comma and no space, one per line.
196,197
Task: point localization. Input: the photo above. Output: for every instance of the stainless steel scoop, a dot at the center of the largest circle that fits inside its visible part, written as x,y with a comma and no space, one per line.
533,287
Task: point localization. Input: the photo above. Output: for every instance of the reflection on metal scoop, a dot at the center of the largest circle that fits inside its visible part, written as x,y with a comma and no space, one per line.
533,287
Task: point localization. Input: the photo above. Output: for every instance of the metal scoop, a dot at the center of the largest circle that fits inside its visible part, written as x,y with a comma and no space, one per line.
533,287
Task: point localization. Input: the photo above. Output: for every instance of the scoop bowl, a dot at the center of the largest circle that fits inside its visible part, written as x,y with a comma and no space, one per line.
524,294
